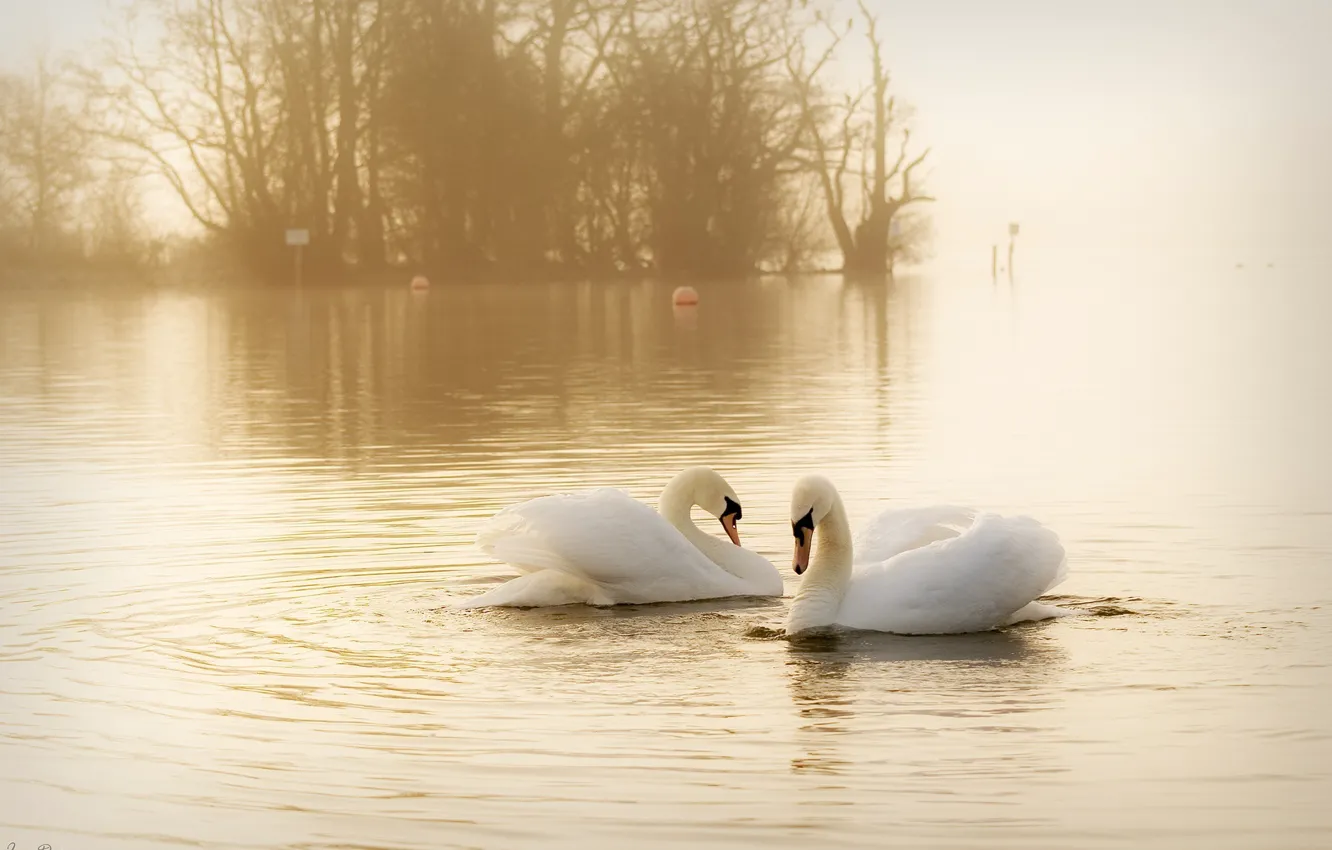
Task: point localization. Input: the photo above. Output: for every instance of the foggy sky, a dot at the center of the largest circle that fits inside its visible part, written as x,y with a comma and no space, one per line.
1186,128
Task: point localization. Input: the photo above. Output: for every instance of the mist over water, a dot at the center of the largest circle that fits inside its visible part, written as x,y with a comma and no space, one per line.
233,523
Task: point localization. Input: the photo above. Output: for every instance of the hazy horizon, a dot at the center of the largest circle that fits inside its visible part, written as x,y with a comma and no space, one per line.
1190,132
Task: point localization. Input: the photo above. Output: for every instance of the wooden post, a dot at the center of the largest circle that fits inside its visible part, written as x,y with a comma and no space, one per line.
298,238
1012,234
994,263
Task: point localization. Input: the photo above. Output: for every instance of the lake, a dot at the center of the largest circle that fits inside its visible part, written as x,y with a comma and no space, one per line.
232,525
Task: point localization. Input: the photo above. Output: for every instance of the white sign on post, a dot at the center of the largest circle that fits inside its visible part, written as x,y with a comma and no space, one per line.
1013,229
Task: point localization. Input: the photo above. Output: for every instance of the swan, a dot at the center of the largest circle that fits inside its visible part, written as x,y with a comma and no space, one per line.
916,571
603,547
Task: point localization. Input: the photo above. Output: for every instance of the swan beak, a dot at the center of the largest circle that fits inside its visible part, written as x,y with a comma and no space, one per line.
804,538
728,523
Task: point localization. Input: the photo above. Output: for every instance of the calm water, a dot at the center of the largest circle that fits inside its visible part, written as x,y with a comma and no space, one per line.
231,526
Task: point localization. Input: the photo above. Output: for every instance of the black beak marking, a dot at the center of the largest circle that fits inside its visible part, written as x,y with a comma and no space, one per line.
800,528
807,521
732,507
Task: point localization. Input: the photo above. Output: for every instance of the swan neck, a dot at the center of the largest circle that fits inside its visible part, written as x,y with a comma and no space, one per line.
820,595
675,504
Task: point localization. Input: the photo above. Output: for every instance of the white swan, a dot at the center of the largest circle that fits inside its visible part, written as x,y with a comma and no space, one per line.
605,548
936,570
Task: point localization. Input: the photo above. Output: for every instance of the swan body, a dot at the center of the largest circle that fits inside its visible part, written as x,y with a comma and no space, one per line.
934,570
603,547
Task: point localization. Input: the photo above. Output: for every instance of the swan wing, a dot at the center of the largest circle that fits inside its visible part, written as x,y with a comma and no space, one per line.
626,550
898,530
973,581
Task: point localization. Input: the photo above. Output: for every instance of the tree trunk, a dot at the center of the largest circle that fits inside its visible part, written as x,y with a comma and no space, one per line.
370,221
347,199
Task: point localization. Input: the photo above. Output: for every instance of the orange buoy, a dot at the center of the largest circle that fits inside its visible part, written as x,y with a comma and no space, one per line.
419,283
684,296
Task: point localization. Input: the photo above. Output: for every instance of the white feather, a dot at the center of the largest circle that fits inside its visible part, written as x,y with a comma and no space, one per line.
603,547
932,570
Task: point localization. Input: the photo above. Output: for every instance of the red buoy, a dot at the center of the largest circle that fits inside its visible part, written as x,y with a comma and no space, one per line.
684,296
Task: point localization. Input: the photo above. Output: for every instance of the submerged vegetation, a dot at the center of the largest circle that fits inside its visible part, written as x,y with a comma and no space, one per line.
470,138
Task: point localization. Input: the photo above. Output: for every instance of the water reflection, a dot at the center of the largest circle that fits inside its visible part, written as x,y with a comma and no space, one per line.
686,316
233,522
823,697
359,376
990,675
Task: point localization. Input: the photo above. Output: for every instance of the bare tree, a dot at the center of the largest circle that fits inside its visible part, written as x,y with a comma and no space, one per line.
513,137
716,129
113,221
848,142
42,155
370,225
572,41
230,107
803,237
11,100
193,105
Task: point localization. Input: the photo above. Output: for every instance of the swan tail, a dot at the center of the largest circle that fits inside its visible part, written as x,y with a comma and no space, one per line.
1034,611
538,590
1034,553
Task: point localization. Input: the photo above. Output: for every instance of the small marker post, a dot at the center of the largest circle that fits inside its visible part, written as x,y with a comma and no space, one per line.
298,238
1012,235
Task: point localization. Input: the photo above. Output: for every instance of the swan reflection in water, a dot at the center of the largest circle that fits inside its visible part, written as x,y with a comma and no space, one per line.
841,681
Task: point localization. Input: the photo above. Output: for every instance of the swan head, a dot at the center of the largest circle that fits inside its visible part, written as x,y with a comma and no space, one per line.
812,499
703,486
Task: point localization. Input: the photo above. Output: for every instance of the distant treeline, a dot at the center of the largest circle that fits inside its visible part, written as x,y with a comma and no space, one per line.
464,138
